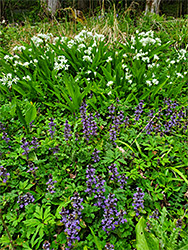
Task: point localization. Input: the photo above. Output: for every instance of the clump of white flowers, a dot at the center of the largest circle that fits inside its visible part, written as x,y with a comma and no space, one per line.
9,80
41,38
61,63
19,48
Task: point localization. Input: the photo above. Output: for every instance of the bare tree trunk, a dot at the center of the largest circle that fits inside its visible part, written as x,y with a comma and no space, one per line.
51,6
152,6
82,4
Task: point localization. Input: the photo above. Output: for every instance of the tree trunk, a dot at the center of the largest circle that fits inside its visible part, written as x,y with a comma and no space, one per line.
83,4
152,6
50,6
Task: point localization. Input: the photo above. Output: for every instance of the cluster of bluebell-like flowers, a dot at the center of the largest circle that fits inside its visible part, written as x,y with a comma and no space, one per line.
4,174
50,184
25,199
26,144
138,198
109,221
88,122
52,127
46,245
114,175
166,119
72,220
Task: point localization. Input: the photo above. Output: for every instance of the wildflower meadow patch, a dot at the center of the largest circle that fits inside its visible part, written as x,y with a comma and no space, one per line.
94,143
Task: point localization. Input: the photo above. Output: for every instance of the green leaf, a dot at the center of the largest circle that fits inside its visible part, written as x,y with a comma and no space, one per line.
30,114
184,248
180,174
96,240
20,116
32,222
145,240
124,143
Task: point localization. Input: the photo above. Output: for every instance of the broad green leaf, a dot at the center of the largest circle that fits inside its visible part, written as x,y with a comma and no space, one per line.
145,240
96,240
30,114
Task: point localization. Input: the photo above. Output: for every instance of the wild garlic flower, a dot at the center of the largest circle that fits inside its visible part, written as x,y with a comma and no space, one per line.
9,80
19,48
109,84
109,59
87,58
61,63
27,78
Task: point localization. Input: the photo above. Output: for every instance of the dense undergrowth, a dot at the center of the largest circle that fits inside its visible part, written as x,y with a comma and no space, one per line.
94,138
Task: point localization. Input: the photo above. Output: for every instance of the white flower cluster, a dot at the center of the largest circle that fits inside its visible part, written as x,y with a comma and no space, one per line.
141,55
27,78
7,57
40,38
148,38
182,55
83,37
19,48
9,80
60,63
128,74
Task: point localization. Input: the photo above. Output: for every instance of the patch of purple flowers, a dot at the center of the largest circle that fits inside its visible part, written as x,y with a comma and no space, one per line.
139,110
46,245
88,122
91,180
138,198
109,246
100,192
24,200
4,174
96,157
50,184
72,220
52,129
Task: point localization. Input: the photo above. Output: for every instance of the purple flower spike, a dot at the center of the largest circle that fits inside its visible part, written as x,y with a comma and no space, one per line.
100,192
113,172
5,138
25,146
46,245
138,198
120,216
109,246
25,199
52,127
155,214
50,184
4,174
122,180
34,143
77,203
64,213
96,157
139,110
91,180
